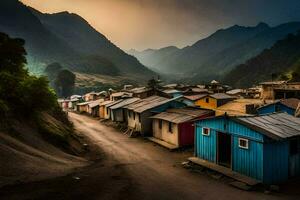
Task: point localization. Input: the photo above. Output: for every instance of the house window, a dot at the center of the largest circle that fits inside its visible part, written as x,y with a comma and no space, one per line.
160,124
206,131
243,143
170,127
207,100
294,147
134,116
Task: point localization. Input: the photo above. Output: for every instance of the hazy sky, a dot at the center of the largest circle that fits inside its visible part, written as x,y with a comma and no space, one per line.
142,24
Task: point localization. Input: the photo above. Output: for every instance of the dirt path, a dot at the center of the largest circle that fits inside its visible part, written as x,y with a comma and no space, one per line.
132,169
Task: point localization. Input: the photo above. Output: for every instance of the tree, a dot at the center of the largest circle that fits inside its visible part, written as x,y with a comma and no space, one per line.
52,71
65,82
20,93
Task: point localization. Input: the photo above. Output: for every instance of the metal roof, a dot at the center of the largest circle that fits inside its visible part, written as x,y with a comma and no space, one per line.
291,103
195,97
124,103
93,104
113,103
105,103
171,91
221,96
147,103
83,103
180,115
276,125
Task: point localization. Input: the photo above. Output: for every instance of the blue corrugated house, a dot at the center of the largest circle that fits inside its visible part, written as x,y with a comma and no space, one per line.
286,105
265,148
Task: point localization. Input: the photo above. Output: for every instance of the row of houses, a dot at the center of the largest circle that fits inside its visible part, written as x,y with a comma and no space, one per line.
256,138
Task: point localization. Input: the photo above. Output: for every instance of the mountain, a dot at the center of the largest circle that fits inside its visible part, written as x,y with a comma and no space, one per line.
281,61
153,57
68,39
217,54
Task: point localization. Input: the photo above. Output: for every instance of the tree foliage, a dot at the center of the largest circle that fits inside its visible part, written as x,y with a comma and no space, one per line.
20,93
65,82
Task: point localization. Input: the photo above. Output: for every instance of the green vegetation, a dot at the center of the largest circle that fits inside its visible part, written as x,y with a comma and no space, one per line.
21,95
61,80
282,61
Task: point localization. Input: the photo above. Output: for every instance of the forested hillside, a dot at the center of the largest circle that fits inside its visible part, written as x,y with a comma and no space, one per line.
67,39
281,61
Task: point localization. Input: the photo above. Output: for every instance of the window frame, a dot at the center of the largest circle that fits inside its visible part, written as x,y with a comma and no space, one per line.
208,131
245,140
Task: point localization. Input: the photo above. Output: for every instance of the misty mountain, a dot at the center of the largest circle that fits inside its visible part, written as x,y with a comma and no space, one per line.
217,54
68,39
281,62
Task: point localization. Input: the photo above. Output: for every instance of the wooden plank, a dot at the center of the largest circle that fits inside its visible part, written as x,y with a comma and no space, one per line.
226,171
163,143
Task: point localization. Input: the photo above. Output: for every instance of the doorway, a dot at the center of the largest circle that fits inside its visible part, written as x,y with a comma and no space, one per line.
224,149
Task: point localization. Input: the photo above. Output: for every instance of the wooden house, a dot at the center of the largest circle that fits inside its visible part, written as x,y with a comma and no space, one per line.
285,105
102,109
213,101
73,102
82,107
142,92
120,95
107,111
191,100
264,148
240,107
176,126
118,113
280,90
139,112
93,107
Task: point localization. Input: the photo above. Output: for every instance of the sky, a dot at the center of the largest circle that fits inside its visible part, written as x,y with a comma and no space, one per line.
143,24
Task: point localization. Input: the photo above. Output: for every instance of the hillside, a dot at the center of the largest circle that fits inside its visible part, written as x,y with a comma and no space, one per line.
217,54
68,39
281,61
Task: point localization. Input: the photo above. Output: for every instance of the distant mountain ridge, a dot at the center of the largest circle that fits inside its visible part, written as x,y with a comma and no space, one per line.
280,62
212,57
68,39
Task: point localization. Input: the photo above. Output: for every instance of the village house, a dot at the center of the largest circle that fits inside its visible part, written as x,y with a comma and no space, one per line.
93,107
174,128
264,148
280,90
240,107
139,112
213,101
107,111
82,107
73,102
237,93
285,105
192,99
172,93
102,109
142,92
118,113
120,95
215,87
195,91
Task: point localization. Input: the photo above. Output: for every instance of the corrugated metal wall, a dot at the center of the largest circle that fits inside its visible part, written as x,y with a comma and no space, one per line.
245,161
276,163
206,145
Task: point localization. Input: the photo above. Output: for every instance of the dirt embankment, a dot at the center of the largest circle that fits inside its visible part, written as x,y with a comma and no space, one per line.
30,152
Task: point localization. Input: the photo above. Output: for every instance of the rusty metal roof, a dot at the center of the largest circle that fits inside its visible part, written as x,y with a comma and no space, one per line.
195,97
147,103
180,115
124,103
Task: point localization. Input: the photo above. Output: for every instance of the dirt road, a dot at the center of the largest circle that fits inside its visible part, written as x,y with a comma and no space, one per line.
133,168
